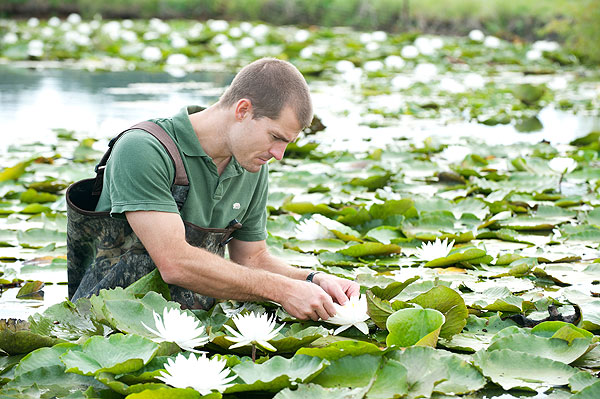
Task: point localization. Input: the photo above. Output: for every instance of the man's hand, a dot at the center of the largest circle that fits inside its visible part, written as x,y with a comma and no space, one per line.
305,300
340,289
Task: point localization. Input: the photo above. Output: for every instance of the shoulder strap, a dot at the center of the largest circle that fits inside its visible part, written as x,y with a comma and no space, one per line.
181,182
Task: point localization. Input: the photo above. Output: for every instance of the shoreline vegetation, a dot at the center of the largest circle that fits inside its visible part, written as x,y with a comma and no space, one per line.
572,22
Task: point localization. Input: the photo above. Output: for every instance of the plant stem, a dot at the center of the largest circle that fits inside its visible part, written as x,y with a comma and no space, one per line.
253,353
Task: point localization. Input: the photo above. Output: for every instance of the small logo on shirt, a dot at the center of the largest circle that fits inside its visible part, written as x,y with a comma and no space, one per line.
236,205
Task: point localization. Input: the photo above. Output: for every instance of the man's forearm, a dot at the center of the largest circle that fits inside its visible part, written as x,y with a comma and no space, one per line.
265,261
209,274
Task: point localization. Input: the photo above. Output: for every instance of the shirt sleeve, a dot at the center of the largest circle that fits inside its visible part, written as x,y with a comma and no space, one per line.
254,223
139,175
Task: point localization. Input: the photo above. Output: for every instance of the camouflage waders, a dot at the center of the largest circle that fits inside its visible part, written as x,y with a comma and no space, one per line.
104,252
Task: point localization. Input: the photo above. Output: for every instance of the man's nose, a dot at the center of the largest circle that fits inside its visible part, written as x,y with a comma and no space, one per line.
277,150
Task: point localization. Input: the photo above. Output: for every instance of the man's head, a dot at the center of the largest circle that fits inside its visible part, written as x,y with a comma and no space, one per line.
271,85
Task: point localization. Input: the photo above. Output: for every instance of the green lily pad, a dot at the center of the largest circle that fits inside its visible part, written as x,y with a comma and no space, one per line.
590,392
67,321
518,370
13,172
550,348
54,381
39,238
460,254
32,290
276,373
369,249
16,337
150,282
412,326
43,357
581,380
350,371
118,354
448,302
340,349
431,370
31,196
392,289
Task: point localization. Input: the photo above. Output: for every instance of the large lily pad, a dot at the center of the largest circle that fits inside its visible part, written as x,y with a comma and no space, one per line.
518,370
118,354
16,337
276,373
431,370
412,326
450,304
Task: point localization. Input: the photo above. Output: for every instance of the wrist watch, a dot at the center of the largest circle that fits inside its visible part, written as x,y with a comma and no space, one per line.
310,276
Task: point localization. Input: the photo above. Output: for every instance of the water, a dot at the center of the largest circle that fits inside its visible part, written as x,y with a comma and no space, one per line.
32,103
101,104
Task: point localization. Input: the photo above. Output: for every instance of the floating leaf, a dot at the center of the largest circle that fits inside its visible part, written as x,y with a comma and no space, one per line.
450,304
67,321
340,349
369,249
276,373
550,348
460,254
511,369
410,327
118,354
16,338
14,172
431,370
32,289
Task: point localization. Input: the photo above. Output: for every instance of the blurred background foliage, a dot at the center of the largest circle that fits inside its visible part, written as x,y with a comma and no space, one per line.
575,22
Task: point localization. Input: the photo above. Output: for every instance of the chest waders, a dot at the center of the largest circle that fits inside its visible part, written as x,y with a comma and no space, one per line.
103,252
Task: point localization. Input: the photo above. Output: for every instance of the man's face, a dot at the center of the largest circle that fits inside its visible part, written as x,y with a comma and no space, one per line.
256,141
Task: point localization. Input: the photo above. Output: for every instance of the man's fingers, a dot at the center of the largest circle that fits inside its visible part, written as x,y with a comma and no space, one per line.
338,294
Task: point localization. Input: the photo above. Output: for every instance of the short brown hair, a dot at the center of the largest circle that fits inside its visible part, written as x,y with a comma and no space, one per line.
271,84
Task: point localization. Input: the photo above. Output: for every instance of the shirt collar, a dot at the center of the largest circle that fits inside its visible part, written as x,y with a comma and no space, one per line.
184,132
189,143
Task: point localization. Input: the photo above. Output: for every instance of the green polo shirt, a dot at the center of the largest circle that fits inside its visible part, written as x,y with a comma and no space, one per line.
140,173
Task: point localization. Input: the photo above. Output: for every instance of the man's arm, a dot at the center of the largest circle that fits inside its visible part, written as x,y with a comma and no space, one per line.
256,255
163,236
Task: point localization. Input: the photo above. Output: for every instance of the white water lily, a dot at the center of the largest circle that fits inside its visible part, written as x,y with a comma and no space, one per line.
254,329
200,373
409,51
476,35
434,250
352,313
180,328
562,165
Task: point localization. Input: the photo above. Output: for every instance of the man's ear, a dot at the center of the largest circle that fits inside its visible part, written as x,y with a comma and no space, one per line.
243,109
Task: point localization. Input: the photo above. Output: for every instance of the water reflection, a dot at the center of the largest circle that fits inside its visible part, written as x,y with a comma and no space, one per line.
34,102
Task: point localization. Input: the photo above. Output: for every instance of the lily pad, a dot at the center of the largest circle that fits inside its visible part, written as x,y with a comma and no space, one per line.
118,354
550,348
518,370
369,249
460,254
450,304
16,337
410,327
276,373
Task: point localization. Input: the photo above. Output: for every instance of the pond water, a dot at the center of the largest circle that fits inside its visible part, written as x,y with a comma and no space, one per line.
100,104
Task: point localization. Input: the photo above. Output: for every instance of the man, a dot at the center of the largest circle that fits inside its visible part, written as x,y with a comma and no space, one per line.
225,149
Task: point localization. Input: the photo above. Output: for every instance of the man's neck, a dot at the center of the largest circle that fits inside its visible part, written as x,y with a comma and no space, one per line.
210,127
